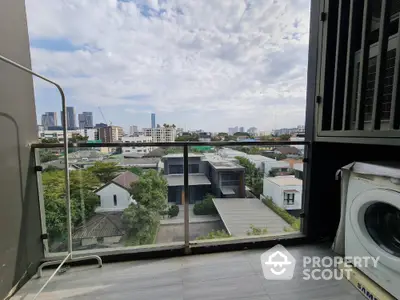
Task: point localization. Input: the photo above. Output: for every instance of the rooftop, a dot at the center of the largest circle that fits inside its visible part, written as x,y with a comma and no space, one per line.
194,179
239,213
285,180
101,225
180,155
224,164
125,179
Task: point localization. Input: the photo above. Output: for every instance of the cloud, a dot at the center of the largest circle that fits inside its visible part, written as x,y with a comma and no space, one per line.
237,61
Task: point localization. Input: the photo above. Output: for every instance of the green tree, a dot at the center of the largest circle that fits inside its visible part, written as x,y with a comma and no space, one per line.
222,134
77,138
284,137
136,170
187,138
46,155
151,191
49,141
105,171
82,184
241,134
141,219
253,176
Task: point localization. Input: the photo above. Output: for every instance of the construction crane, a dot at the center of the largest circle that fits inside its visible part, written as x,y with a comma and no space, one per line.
105,121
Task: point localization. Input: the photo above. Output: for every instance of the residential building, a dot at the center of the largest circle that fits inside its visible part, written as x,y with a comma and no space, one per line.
273,167
90,133
298,171
288,151
100,125
71,118
133,129
49,119
111,134
153,120
228,153
85,120
199,184
207,174
136,151
298,137
161,134
115,195
252,131
285,191
282,131
293,161
227,178
204,136
241,129
233,130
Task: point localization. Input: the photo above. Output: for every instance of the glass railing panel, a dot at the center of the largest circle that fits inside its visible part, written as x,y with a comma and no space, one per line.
253,192
119,198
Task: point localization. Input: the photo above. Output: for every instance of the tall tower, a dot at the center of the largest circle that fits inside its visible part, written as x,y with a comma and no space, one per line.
153,120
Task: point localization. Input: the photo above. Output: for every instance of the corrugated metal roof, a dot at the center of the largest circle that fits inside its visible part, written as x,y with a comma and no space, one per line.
101,225
238,214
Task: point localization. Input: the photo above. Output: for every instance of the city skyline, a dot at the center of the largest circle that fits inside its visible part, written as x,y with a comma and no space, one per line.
248,62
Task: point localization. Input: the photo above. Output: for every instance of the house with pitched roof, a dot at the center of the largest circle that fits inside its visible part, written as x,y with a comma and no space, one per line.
115,195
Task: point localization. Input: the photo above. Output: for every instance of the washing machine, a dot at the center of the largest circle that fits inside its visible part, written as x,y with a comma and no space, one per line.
372,227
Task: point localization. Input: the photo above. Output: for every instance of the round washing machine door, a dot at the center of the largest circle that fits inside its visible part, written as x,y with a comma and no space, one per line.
375,219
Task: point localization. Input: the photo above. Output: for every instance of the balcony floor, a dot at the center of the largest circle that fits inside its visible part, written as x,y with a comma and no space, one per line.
229,275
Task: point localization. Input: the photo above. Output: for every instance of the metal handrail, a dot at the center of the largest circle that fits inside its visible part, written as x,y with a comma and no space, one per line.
169,144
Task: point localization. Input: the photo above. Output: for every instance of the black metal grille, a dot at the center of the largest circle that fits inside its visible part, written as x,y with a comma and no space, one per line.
363,41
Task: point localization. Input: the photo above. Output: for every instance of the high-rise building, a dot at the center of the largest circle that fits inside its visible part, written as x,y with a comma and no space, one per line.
49,119
153,120
161,134
85,120
133,129
233,130
241,129
71,118
110,134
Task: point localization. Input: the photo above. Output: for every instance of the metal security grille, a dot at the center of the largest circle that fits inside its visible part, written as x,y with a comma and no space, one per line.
360,69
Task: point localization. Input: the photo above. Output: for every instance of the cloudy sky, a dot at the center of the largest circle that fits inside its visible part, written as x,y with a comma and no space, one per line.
200,64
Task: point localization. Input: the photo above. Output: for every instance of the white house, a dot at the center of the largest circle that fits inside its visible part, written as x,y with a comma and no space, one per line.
136,151
114,195
285,191
271,164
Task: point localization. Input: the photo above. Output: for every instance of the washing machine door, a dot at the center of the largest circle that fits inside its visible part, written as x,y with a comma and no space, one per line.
375,218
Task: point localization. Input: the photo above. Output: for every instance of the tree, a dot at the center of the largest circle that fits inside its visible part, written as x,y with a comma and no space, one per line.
46,155
241,134
222,134
77,138
151,191
82,184
105,171
253,176
136,170
284,137
187,138
141,218
49,141
276,156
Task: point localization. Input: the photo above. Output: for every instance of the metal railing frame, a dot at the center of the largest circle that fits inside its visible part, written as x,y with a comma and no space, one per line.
186,148
69,257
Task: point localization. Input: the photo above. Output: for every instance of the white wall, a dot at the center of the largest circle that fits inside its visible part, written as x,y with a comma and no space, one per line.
275,164
276,192
137,139
107,198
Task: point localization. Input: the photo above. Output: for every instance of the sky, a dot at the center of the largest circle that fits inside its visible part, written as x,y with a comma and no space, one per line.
198,64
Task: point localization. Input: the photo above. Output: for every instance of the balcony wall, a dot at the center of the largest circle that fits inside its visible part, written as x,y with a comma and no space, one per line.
20,246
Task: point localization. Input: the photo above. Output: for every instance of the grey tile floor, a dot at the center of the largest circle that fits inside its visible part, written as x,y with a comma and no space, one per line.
230,275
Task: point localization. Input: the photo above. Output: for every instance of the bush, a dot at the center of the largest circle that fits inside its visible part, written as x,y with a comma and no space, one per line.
214,234
205,207
294,222
256,231
173,211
